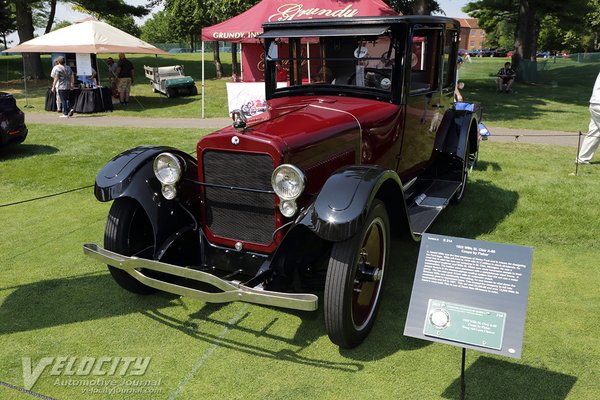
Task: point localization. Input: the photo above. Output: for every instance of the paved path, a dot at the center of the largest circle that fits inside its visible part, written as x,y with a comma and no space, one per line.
498,134
139,122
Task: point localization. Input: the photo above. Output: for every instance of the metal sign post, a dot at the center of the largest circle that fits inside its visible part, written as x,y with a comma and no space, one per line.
462,375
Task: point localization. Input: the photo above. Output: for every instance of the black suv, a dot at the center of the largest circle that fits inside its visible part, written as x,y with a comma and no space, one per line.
12,121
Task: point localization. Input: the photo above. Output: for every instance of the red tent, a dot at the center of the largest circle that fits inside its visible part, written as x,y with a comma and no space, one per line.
246,26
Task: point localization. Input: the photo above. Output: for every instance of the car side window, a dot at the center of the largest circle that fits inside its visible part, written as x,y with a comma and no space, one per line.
449,58
424,59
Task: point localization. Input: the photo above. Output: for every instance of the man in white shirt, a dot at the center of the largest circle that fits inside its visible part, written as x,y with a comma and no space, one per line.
592,139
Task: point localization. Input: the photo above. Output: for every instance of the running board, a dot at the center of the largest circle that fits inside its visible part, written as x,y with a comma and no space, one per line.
430,203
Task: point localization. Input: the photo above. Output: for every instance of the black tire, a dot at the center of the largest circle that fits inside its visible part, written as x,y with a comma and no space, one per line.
466,167
352,298
128,232
194,91
171,93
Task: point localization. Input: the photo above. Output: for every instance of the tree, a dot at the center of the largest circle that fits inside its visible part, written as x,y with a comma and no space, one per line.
188,17
8,23
527,16
61,24
26,10
51,15
416,7
157,29
122,22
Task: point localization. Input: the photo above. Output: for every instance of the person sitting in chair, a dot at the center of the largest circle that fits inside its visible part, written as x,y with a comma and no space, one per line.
506,76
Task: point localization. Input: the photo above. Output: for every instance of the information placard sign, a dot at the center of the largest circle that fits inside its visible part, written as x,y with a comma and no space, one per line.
471,294
84,64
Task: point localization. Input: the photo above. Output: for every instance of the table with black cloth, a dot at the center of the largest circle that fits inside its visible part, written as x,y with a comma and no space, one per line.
86,100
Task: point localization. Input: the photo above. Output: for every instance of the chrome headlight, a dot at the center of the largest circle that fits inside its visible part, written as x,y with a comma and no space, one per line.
288,208
167,168
288,182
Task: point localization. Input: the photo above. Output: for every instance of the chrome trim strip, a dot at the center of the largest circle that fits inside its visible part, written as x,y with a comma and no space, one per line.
231,291
241,189
409,184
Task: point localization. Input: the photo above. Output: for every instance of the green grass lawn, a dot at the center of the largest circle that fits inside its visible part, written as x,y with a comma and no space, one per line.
55,302
559,101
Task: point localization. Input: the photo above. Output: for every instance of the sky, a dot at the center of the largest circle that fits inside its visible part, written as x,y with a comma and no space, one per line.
452,7
64,13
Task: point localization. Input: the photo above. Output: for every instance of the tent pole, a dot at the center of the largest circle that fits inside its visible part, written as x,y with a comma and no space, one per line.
308,59
99,85
203,79
27,105
241,64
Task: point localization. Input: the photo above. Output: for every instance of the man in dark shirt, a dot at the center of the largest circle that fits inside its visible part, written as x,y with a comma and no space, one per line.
125,75
506,76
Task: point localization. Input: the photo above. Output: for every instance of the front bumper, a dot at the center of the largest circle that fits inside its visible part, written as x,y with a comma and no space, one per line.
231,290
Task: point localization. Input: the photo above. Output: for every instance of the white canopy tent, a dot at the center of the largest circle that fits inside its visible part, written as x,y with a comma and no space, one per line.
91,36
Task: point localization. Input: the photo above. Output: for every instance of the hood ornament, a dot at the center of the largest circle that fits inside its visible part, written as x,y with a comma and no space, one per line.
239,120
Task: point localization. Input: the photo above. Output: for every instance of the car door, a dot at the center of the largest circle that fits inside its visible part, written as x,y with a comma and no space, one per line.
424,105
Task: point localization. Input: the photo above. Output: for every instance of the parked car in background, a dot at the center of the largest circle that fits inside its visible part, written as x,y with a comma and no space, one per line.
487,52
499,53
475,52
12,121
362,144
179,50
543,54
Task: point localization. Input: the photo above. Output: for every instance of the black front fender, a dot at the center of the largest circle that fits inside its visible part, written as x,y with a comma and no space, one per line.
130,174
344,201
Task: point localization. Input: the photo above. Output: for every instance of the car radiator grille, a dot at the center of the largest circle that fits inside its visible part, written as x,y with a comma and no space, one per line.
237,214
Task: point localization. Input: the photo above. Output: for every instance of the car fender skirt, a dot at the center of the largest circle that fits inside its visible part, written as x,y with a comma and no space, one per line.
343,203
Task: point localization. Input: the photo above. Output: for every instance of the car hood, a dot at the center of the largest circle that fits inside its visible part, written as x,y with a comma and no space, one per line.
297,123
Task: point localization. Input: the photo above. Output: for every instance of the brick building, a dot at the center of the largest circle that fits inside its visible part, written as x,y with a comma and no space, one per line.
471,35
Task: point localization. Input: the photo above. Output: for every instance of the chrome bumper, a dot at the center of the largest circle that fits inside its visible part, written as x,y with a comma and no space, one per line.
231,291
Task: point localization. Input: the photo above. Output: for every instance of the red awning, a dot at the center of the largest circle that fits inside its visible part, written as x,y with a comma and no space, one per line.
246,26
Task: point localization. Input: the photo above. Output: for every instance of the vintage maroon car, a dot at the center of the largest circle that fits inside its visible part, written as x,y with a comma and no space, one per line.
361,143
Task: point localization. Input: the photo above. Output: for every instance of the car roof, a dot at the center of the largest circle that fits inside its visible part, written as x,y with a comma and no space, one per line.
333,23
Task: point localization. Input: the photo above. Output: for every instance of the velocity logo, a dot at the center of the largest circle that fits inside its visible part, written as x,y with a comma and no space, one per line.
83,366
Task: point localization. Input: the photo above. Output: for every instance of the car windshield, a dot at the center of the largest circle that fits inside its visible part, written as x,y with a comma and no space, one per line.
334,62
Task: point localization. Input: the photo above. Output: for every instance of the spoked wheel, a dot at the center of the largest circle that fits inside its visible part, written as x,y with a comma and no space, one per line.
354,280
128,232
468,161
